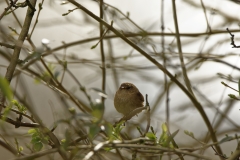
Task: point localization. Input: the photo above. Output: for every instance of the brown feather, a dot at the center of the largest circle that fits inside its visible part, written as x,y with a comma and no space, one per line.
128,98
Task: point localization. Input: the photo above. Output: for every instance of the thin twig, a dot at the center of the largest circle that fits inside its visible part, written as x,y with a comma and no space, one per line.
36,21
185,76
18,123
125,17
7,45
128,35
102,50
81,106
232,40
229,87
74,78
12,3
8,147
205,14
236,154
166,88
148,116
17,49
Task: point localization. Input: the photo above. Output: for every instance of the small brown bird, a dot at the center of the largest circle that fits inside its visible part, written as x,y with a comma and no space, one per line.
128,98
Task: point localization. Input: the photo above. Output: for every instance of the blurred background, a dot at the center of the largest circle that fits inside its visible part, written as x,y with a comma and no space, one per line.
65,35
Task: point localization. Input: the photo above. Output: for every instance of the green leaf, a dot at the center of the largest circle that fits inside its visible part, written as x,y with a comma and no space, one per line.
66,141
164,127
15,102
35,140
20,149
36,54
98,111
93,130
6,111
40,6
151,136
56,74
108,129
232,96
45,140
37,80
19,106
164,134
94,46
189,133
107,149
64,64
13,30
174,133
63,141
115,134
38,146
72,110
32,131
35,135
166,139
139,130
225,139
5,88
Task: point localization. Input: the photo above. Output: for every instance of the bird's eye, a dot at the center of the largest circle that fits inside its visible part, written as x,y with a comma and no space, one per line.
128,87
